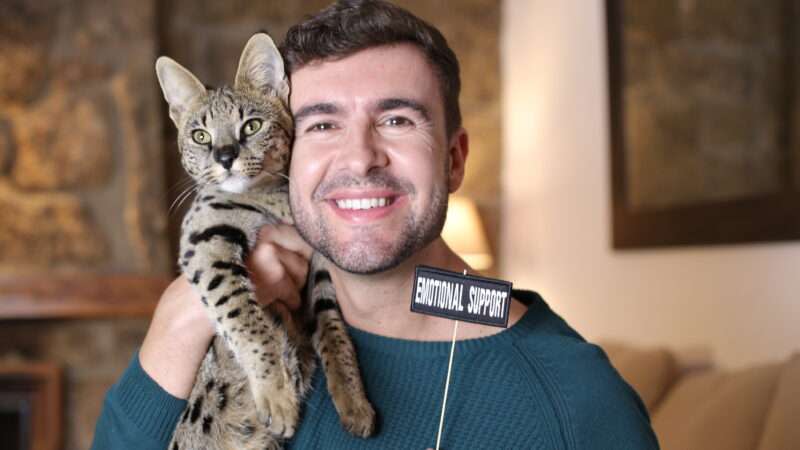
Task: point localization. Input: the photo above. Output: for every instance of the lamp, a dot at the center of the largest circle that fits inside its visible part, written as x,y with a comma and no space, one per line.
464,233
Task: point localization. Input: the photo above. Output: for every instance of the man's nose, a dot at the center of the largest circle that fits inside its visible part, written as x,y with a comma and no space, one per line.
225,155
364,151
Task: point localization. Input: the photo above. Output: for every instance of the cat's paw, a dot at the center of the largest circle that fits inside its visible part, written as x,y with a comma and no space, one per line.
357,416
278,407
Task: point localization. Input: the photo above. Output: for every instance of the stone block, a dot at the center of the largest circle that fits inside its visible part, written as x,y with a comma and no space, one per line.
656,21
26,29
144,214
97,38
743,21
211,12
6,147
22,72
47,231
63,141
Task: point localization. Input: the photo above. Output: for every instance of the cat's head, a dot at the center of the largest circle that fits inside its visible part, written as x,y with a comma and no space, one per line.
235,138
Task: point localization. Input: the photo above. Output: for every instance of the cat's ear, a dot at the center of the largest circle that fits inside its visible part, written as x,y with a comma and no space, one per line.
179,86
261,67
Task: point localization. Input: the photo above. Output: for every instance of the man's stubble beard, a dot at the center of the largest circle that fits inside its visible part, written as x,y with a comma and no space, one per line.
364,257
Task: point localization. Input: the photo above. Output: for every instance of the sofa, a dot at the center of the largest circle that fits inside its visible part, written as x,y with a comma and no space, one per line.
703,408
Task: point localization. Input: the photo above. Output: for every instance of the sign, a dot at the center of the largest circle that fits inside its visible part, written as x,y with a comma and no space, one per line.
467,298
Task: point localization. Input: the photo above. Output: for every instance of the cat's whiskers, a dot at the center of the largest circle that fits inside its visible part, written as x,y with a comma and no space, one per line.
181,184
278,174
182,197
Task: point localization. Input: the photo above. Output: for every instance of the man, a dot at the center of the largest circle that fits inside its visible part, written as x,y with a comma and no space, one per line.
378,147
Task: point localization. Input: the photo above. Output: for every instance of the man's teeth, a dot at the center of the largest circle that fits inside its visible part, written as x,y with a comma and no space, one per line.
362,203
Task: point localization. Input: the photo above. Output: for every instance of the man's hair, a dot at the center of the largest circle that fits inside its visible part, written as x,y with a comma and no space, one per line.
349,26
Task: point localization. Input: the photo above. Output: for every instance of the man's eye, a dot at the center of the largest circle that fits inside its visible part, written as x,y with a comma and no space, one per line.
322,126
397,121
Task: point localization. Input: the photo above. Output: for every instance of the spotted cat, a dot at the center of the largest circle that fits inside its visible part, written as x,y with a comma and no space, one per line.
235,143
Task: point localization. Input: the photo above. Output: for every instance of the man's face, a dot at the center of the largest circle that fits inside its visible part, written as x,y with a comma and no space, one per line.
370,170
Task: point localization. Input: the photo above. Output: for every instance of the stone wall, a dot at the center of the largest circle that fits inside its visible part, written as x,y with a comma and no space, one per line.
80,143
81,178
88,160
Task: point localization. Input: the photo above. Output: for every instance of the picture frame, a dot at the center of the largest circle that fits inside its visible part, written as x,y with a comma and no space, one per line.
756,214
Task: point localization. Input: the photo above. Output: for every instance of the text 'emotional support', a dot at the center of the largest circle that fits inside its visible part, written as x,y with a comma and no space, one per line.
461,297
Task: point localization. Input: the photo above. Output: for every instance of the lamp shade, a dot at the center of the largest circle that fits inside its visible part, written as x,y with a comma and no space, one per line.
464,233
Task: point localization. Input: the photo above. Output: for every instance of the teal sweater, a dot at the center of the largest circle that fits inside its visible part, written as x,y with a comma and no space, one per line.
537,385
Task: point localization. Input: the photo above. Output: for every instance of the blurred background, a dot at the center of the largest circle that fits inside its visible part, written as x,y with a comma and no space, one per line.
571,141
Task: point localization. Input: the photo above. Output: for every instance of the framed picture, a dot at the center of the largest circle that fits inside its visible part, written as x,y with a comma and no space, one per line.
705,122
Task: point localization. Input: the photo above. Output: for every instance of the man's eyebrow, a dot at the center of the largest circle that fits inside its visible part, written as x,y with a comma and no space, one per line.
315,108
397,103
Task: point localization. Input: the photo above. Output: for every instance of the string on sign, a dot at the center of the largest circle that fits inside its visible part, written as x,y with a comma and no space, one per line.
447,381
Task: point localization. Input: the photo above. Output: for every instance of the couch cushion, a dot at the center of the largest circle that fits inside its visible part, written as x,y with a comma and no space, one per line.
715,410
649,372
782,430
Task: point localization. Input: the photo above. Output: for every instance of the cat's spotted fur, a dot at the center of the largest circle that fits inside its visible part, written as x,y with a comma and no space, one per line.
235,143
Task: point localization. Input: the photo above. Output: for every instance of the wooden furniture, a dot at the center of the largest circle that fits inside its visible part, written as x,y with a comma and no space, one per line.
80,297
31,399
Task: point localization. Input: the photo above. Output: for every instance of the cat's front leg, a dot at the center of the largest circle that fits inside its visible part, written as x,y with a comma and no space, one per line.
256,337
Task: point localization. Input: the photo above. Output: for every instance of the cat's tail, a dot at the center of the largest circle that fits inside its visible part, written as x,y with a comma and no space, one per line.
319,289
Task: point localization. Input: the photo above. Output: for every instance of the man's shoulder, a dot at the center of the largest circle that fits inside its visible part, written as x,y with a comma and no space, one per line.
555,350
591,398
541,328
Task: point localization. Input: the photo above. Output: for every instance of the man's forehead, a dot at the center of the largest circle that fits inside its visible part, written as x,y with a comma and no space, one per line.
397,71
377,105
401,53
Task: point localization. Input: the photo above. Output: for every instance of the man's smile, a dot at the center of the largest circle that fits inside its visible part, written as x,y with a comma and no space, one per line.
361,206
363,203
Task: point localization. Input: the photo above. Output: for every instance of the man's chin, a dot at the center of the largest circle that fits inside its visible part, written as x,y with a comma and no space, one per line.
365,263
366,269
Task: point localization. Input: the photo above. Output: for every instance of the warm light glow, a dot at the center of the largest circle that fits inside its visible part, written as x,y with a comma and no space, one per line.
464,233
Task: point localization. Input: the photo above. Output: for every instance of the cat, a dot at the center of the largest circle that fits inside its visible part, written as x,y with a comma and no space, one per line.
235,143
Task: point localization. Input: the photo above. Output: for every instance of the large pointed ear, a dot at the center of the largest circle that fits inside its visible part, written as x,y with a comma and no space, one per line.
179,86
261,67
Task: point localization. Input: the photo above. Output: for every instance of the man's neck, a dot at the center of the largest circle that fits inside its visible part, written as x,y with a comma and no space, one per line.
380,303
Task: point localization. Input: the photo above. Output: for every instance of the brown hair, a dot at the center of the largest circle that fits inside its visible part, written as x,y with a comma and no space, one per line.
349,26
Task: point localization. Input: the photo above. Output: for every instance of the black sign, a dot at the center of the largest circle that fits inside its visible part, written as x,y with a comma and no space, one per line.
468,298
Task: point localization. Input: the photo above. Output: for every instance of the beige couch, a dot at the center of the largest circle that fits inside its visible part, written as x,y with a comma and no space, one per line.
757,408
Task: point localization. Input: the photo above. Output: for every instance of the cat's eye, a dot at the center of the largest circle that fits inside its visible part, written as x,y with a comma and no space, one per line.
201,137
251,127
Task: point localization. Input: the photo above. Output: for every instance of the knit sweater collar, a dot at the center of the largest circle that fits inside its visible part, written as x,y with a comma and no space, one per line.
430,349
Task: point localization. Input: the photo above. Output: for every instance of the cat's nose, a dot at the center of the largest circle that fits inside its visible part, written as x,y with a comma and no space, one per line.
225,155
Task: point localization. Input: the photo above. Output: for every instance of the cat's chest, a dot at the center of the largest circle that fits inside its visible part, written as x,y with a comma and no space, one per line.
251,210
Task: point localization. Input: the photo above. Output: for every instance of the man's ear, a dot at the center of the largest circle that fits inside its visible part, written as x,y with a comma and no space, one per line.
458,149
178,85
261,67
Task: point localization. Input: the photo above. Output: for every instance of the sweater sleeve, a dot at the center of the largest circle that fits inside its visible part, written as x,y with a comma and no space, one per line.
594,406
137,413
608,413
597,408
